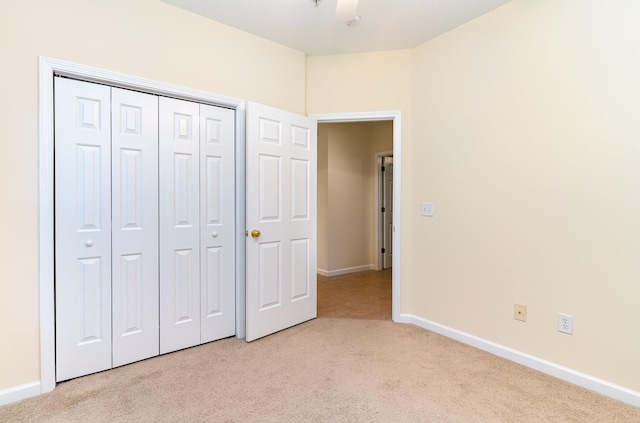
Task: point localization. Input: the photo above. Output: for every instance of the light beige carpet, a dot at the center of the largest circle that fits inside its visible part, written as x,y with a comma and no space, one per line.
326,370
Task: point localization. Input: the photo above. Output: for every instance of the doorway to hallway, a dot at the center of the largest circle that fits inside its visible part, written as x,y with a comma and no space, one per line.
355,218
355,197
361,295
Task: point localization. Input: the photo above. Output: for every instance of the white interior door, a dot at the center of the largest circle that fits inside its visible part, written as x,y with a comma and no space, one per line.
134,193
281,192
82,228
179,224
387,216
217,217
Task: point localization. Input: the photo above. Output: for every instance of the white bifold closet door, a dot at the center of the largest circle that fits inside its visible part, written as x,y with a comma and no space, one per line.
144,226
179,224
134,225
106,227
83,228
217,223
197,257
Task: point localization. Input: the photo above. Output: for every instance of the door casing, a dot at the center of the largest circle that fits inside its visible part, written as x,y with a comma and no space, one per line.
396,117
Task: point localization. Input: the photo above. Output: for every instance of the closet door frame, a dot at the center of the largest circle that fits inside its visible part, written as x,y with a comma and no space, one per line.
48,69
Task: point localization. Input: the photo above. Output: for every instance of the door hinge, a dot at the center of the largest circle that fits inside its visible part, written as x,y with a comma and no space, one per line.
382,169
383,209
382,250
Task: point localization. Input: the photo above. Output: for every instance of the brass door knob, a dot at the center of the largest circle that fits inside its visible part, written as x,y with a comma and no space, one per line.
255,233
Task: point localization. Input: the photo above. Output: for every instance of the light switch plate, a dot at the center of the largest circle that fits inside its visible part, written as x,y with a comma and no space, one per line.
426,209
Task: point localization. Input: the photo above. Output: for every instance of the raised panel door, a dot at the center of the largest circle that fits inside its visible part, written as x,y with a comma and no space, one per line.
281,204
82,228
179,216
134,226
387,217
217,223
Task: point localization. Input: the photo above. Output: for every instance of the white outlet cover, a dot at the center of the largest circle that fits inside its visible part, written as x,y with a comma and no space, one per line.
565,323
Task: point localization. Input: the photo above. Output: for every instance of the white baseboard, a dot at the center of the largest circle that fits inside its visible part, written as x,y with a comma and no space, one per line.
611,390
18,393
586,381
329,273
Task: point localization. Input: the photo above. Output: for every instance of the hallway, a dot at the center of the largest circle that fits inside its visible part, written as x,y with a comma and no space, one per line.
361,295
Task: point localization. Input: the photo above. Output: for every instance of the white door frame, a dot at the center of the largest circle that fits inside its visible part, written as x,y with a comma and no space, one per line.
50,67
394,116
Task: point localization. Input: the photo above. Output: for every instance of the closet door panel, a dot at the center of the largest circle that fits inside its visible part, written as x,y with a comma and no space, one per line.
82,228
217,217
179,224
134,226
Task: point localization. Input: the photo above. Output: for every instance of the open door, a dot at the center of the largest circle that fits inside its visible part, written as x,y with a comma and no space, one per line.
387,211
281,189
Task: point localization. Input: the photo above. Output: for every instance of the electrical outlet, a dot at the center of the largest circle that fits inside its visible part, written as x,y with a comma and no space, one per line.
426,209
565,323
520,312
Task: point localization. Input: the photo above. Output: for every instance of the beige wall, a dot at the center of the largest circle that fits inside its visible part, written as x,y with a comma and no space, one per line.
349,195
522,127
144,38
346,192
381,136
529,146
379,81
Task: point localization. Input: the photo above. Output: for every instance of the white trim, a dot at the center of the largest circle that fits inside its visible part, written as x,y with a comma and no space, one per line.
396,117
18,393
241,223
346,270
50,67
355,116
91,74
586,381
47,296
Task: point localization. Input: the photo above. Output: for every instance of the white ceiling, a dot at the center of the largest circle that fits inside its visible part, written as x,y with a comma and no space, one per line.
385,24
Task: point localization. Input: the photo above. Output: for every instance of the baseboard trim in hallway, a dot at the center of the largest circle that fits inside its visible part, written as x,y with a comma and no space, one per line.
346,270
